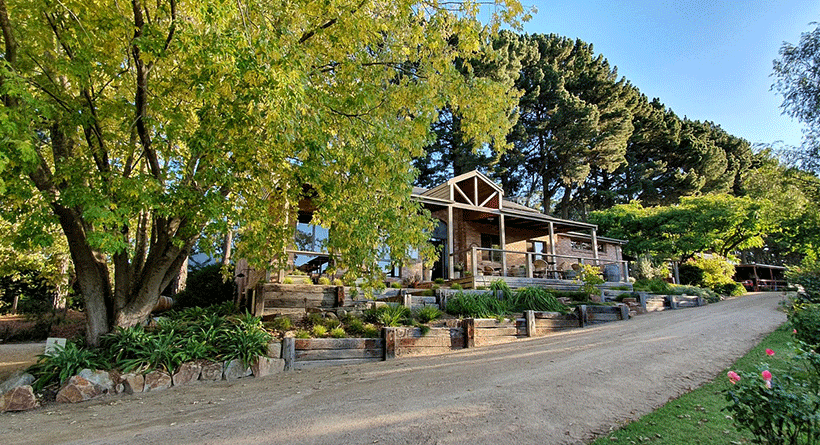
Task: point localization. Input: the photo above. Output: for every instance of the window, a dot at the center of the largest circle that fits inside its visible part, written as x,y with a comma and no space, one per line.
586,246
537,247
490,242
310,237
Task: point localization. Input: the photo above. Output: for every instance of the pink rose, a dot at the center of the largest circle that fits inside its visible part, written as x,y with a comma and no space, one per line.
767,377
733,377
769,352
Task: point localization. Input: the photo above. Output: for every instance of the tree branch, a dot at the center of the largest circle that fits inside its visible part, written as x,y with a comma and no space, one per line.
10,54
141,94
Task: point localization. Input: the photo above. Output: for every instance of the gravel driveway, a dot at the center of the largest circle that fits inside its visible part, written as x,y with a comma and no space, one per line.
561,389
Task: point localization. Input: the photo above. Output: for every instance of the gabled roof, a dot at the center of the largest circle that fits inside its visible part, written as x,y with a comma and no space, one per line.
472,188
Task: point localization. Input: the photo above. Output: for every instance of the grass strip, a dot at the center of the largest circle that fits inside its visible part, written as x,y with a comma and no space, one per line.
697,417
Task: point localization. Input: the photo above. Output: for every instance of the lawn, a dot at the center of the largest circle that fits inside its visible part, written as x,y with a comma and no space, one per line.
698,417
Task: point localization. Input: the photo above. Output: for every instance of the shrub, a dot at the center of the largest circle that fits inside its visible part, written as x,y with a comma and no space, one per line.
536,299
287,280
779,407
717,274
280,324
318,330
732,289
805,319
324,281
35,294
501,285
206,286
427,314
389,315
590,277
646,269
476,305
395,285
371,331
653,286
338,282
439,281
707,294
331,323
301,333
338,332
807,274
354,326
456,286
65,362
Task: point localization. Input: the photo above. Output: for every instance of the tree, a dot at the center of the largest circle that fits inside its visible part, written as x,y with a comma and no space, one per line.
717,223
573,116
139,124
797,78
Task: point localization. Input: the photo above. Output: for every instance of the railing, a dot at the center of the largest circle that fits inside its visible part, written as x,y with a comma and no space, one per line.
504,263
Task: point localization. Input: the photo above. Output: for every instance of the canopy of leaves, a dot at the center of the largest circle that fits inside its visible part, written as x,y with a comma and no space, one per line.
139,125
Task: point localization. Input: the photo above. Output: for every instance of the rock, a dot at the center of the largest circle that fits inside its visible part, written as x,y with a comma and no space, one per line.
132,383
274,349
235,369
19,378
157,381
331,316
188,372
211,370
78,389
341,313
19,398
99,378
263,366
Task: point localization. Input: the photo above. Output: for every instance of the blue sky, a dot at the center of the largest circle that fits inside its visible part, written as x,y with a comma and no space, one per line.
706,60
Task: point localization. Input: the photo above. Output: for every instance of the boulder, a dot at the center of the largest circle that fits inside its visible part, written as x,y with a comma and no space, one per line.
78,389
274,349
211,370
263,366
235,369
99,378
157,381
132,383
188,372
19,378
19,398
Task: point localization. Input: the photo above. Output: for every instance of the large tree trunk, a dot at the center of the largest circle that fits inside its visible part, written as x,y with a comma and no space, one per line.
227,246
61,294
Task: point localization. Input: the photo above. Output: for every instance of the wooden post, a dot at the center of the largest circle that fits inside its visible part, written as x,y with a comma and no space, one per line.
503,240
529,317
340,296
389,343
672,303
259,300
450,242
582,315
469,332
642,300
289,352
474,261
624,312
529,264
595,246
406,299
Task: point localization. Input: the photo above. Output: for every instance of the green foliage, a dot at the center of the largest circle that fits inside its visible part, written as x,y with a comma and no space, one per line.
338,282
34,292
338,332
647,269
318,330
324,281
654,286
456,286
427,314
717,272
66,362
206,286
783,410
371,331
707,294
805,318
439,281
535,299
590,277
718,223
354,326
388,315
303,334
690,274
807,275
395,285
287,280
476,305
280,323
501,285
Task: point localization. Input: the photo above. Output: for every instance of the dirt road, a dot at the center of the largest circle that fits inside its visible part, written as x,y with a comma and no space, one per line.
555,390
